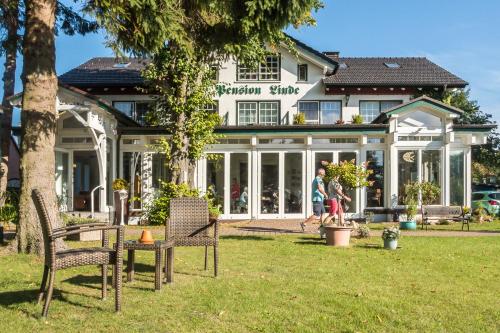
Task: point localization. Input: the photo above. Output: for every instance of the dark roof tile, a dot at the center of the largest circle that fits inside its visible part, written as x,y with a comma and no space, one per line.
373,71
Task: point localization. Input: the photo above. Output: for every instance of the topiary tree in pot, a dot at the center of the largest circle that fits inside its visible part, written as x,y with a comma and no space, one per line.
120,194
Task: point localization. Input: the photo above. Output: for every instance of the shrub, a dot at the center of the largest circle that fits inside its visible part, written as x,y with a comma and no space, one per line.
120,184
391,233
75,220
299,119
350,175
411,211
363,231
158,210
8,214
357,119
429,192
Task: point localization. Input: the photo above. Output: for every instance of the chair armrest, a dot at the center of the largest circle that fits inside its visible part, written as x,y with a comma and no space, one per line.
79,231
214,223
77,226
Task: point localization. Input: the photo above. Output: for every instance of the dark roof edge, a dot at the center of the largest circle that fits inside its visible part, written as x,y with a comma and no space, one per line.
474,127
269,129
317,53
395,85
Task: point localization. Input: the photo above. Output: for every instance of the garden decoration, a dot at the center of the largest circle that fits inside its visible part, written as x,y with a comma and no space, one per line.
350,176
390,237
120,196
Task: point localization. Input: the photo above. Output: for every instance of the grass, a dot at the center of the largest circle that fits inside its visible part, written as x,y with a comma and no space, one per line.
453,226
279,284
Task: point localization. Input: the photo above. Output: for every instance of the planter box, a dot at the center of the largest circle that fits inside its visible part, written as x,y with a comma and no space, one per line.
390,244
94,235
338,236
408,225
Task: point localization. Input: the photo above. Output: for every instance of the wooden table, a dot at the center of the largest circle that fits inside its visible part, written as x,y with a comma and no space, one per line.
159,247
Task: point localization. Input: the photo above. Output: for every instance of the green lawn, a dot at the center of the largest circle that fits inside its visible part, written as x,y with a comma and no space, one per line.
279,284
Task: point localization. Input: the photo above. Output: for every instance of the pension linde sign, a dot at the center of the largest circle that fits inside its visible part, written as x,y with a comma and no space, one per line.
274,89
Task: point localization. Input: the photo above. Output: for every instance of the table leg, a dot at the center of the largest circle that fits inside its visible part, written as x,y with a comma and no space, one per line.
170,265
158,272
130,265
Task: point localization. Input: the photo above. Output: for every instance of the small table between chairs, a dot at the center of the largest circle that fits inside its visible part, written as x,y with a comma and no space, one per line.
159,247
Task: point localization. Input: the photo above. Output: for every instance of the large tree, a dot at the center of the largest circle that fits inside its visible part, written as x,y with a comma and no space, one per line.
12,20
184,39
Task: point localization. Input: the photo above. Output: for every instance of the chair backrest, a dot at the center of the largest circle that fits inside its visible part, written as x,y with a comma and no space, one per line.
44,218
187,215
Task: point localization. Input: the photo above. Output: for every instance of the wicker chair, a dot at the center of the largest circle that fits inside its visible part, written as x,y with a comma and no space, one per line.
56,260
189,224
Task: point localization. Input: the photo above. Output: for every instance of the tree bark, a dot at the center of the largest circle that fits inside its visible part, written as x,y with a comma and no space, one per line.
11,16
38,119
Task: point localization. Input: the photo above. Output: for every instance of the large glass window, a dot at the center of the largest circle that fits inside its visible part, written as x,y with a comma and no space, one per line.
268,113
269,70
293,183
310,111
135,110
330,111
239,183
370,110
408,171
132,165
62,190
375,193
269,172
324,112
215,177
431,168
457,178
263,113
160,170
320,157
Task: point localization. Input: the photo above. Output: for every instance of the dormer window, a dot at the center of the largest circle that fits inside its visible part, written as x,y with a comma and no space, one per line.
269,70
121,65
391,65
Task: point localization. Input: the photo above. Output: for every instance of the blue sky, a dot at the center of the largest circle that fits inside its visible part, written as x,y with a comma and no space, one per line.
461,36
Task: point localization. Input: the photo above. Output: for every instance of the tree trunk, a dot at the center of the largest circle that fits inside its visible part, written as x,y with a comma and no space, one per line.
38,121
11,15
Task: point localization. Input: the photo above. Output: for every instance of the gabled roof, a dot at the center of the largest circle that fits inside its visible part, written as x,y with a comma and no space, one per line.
101,72
323,57
417,72
415,103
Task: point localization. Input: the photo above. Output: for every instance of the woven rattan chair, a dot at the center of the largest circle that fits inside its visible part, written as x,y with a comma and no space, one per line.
56,260
189,225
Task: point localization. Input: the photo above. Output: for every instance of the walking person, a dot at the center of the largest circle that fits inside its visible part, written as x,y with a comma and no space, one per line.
336,196
318,196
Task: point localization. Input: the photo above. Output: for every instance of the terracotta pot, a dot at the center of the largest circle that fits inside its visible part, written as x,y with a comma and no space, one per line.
146,237
337,236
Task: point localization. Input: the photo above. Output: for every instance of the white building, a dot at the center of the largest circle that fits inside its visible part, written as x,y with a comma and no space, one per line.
263,155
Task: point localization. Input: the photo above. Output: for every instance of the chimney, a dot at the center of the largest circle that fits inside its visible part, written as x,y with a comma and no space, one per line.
332,54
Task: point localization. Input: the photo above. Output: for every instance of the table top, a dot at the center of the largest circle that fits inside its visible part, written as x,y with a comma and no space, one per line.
136,245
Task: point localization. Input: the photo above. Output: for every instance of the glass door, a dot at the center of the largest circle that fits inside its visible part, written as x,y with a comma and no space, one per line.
62,180
281,185
336,157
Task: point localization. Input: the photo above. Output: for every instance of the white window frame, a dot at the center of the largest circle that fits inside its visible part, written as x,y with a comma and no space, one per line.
263,72
258,114
320,110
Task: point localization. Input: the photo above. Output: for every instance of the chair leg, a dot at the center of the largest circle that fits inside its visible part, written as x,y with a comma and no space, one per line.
50,290
216,260
118,285
206,257
44,283
104,271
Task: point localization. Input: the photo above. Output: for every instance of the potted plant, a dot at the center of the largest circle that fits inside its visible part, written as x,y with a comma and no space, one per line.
351,176
390,237
357,119
411,212
299,119
120,196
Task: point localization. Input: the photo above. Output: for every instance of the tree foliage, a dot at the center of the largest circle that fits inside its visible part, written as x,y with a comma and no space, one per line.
349,174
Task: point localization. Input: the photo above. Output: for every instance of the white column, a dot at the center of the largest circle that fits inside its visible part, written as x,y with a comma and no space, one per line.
309,175
468,176
392,194
362,191
103,172
445,198
254,177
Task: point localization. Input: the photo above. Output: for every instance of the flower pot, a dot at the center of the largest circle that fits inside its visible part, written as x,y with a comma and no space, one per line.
408,225
146,237
390,244
337,236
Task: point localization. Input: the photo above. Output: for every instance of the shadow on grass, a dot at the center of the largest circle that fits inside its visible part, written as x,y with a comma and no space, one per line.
310,241
370,246
247,237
